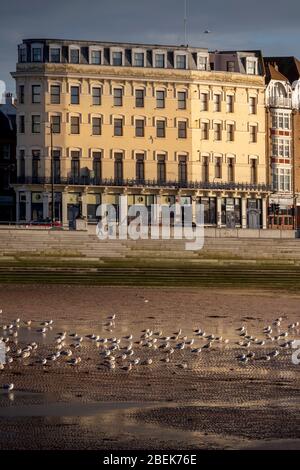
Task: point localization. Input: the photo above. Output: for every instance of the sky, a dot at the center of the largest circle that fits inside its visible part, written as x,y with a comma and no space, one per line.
267,25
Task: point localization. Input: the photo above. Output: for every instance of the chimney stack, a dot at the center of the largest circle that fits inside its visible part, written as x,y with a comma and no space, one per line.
9,99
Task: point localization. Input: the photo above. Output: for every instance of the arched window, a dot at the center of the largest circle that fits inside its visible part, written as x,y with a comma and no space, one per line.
279,90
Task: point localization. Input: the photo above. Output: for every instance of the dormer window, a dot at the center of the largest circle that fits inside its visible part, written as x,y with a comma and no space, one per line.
36,52
116,57
159,60
55,54
202,62
251,65
23,53
74,54
95,55
180,61
138,58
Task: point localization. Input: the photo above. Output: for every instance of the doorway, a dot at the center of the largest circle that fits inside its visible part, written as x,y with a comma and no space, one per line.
73,213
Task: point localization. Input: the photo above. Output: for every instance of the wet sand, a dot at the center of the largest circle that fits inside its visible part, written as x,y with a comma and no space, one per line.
216,402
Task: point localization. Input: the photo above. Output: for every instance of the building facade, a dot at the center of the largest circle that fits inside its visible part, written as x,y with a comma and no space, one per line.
283,140
158,123
8,164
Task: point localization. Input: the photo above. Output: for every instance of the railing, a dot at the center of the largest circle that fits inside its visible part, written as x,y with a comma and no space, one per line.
280,101
89,181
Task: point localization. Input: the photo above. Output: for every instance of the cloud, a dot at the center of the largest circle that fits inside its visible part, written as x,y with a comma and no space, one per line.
235,24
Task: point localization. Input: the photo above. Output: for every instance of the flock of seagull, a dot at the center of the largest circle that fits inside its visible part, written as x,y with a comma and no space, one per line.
124,353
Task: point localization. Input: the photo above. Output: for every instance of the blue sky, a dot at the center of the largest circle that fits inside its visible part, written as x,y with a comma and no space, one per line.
235,24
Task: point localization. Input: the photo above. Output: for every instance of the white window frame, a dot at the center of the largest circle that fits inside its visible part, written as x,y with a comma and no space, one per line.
285,172
181,53
202,55
138,50
254,62
279,141
277,116
159,52
98,49
116,49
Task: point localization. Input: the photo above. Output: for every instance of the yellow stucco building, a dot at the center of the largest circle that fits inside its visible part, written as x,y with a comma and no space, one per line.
158,123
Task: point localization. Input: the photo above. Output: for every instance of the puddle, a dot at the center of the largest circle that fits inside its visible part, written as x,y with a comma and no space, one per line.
31,334
114,420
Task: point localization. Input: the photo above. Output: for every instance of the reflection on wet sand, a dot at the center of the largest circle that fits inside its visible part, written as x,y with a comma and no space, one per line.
148,367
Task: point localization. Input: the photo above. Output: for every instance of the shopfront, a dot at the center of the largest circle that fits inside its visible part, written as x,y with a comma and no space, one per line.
114,201
231,212
209,209
37,212
92,203
166,202
254,213
57,206
143,200
73,208
281,213
186,210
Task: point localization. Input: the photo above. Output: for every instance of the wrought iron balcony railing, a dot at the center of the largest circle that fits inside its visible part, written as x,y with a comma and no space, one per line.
89,181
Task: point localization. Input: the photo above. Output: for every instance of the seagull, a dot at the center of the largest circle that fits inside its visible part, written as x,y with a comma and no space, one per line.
42,330
283,335
207,31
241,329
136,361
190,342
268,329
183,366
8,387
251,355
166,359
128,338
196,350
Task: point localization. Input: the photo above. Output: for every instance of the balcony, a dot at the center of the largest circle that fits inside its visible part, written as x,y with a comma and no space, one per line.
89,181
280,102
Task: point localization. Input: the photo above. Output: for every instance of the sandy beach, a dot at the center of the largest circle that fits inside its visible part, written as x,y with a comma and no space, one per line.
214,401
